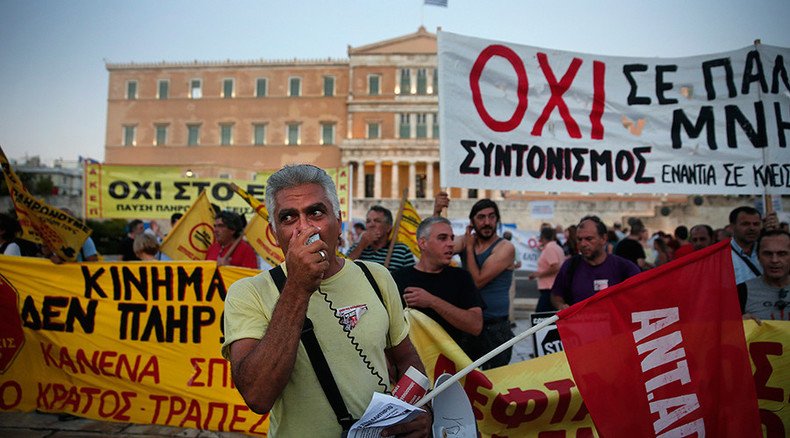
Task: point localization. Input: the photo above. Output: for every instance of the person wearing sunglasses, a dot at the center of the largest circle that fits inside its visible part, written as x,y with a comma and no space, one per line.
765,297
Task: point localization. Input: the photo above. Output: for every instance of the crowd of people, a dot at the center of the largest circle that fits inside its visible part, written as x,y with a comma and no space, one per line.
321,306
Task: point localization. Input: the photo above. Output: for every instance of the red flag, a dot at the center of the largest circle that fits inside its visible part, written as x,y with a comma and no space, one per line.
664,353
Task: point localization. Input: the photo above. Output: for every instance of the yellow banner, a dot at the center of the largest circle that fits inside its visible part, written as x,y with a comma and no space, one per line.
140,342
130,342
407,231
43,223
193,233
156,192
260,236
538,397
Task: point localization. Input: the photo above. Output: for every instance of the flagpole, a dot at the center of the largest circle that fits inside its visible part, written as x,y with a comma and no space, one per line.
767,199
396,228
459,375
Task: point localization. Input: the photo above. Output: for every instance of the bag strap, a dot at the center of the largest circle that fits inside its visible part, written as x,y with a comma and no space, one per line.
747,261
318,361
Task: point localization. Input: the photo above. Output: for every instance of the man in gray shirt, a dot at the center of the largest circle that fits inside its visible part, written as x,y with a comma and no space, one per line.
766,297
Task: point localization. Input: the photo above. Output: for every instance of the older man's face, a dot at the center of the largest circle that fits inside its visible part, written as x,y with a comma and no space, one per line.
301,207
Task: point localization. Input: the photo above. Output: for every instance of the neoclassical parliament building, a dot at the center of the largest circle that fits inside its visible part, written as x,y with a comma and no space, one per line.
376,111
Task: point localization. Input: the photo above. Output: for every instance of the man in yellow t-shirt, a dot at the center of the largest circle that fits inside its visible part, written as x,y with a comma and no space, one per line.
354,329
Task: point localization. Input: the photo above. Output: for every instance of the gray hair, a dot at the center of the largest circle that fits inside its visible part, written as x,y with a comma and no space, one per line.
424,229
294,175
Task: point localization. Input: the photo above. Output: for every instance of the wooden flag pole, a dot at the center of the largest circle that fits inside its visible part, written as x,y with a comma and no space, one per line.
396,227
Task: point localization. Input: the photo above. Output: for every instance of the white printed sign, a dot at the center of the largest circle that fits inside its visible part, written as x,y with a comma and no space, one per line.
516,117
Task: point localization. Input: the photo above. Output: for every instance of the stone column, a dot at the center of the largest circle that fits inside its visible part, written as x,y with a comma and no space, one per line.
429,180
395,193
360,176
377,179
412,178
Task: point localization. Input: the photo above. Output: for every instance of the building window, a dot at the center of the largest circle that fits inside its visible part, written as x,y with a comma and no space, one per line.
224,176
293,134
435,125
422,81
374,130
329,86
259,133
295,87
227,88
327,133
195,89
370,180
193,135
163,90
129,135
374,85
405,81
161,135
226,134
405,126
131,90
435,81
422,125
260,87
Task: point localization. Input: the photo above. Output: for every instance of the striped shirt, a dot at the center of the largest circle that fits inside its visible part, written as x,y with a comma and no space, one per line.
401,256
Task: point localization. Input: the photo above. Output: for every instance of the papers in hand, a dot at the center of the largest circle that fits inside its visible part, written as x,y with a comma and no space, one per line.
383,411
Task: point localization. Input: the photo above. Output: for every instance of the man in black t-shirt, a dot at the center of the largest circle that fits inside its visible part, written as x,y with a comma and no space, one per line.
445,293
631,247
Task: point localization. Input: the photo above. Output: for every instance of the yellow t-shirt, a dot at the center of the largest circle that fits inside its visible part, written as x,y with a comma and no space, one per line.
302,409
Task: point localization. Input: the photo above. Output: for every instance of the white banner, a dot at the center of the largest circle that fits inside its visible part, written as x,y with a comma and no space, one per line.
525,118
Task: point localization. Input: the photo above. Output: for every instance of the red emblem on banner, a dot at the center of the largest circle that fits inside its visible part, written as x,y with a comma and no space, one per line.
12,338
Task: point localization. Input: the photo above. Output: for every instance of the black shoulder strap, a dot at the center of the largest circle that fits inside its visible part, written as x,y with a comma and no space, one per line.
372,280
743,294
318,361
747,261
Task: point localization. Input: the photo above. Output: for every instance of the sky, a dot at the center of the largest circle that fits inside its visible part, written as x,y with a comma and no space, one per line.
53,80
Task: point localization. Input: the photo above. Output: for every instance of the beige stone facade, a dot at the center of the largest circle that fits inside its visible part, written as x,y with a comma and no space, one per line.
376,111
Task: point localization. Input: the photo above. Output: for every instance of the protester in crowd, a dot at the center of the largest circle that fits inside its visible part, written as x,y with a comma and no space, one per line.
784,227
618,231
549,261
445,293
265,316
374,243
146,248
631,247
489,259
765,297
174,218
611,241
559,231
746,224
682,237
701,236
135,228
229,248
722,234
9,228
359,228
584,275
663,253
570,246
